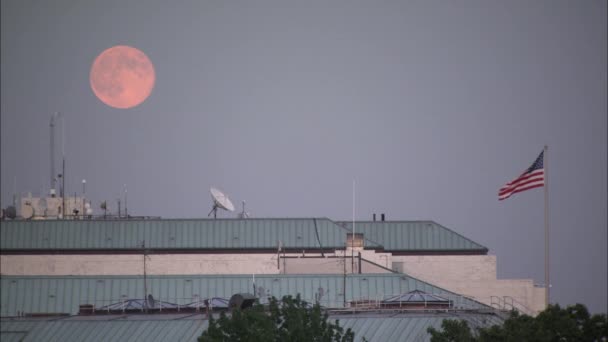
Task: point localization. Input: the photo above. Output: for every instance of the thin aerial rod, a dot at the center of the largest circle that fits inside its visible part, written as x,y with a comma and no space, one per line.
52,151
126,210
52,154
63,162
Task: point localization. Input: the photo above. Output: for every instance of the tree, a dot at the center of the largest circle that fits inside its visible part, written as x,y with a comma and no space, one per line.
453,331
290,319
573,323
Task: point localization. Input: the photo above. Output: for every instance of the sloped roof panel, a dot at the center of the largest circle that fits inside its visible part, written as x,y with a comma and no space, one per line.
64,294
314,233
151,328
408,327
413,236
93,235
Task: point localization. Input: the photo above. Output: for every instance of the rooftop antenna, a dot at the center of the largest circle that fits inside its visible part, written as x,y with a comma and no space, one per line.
52,154
220,201
15,191
43,206
62,175
84,193
243,213
126,211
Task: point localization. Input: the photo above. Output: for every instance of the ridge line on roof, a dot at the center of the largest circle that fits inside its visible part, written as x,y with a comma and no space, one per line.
482,247
462,236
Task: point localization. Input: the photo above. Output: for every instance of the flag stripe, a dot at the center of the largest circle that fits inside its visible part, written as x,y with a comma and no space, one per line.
523,183
523,189
533,177
525,176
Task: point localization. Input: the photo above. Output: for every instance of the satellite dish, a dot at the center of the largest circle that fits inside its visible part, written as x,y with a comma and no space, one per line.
220,201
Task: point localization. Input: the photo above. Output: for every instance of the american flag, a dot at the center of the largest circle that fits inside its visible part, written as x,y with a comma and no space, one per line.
533,177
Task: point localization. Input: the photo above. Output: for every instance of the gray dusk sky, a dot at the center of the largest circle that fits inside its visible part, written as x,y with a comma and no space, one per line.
430,106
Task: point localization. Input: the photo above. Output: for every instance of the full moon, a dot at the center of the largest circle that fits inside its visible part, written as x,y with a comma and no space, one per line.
122,77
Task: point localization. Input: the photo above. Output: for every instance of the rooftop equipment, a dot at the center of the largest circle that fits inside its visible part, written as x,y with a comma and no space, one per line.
220,201
27,211
241,300
244,214
10,212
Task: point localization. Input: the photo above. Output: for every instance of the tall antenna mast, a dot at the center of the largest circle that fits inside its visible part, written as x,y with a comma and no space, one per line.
126,210
15,192
52,153
52,124
63,192
63,185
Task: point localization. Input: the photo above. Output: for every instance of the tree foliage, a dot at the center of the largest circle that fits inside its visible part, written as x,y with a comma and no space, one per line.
573,323
290,319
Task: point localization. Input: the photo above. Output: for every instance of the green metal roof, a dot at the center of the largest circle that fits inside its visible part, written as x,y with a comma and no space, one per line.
106,328
64,294
414,236
15,331
202,234
176,327
408,326
171,234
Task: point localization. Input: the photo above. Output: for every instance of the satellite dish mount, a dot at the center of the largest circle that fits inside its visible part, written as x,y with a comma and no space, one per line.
213,210
220,201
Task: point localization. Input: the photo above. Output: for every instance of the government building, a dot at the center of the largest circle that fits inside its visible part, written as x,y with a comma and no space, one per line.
113,279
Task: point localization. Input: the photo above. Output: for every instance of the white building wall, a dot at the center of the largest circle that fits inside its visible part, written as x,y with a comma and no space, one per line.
474,276
448,268
129,264
469,275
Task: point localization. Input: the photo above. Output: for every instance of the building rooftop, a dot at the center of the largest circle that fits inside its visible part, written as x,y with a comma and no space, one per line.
209,235
32,295
410,326
415,237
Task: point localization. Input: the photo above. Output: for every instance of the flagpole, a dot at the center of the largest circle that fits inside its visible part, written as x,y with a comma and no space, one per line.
352,242
547,278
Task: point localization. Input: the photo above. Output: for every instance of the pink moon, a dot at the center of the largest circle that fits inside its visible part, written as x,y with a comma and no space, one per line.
122,77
